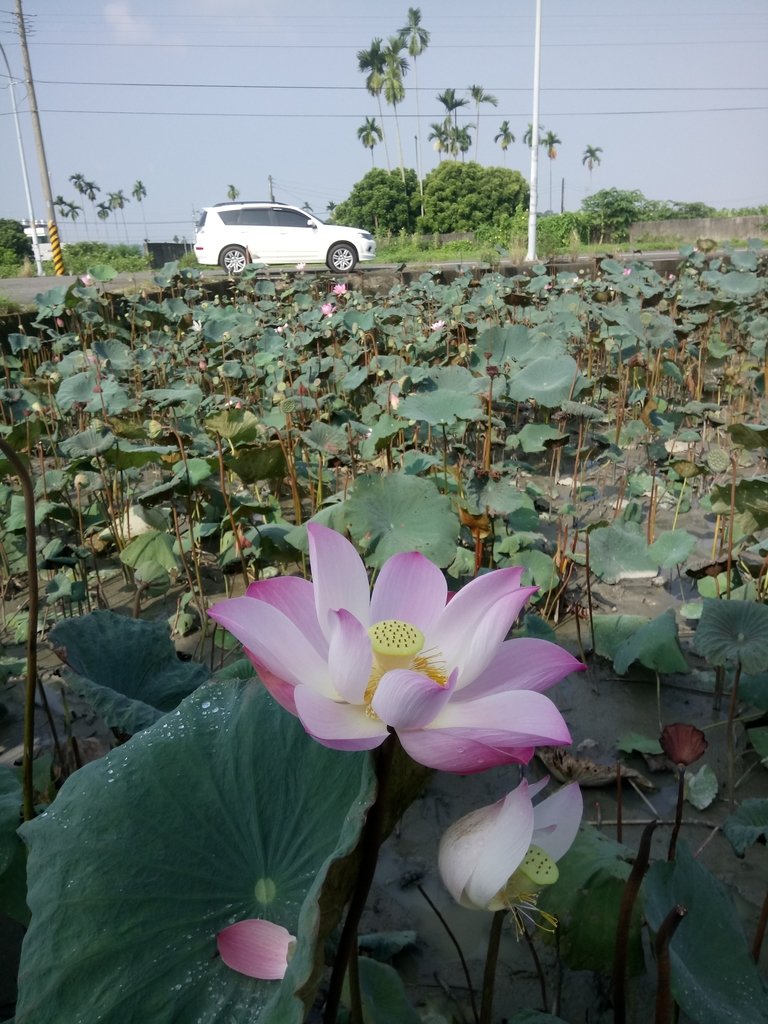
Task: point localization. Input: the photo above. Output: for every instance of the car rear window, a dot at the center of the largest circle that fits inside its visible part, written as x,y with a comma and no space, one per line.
255,217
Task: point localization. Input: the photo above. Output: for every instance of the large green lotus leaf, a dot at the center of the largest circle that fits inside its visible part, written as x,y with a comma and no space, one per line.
654,645
94,393
549,381
672,548
119,355
535,437
747,825
94,441
739,284
749,435
127,669
224,810
620,552
731,630
586,900
238,426
10,807
440,408
713,975
383,995
399,512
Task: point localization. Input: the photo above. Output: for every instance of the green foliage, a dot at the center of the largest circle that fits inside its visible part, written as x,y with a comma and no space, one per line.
466,196
14,242
380,202
81,256
610,212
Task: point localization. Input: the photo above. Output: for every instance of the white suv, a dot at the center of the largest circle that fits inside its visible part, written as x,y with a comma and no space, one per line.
235,234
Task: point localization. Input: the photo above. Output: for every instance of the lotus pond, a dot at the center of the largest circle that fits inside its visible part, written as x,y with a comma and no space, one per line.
164,452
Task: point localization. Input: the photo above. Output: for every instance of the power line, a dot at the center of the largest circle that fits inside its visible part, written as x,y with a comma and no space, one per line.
421,88
229,45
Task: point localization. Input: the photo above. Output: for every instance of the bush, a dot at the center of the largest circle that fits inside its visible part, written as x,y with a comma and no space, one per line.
14,241
80,256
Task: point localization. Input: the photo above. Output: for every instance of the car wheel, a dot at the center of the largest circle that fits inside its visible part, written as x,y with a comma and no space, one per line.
342,257
233,259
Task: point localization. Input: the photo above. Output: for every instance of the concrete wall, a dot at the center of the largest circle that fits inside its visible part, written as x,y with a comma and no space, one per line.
720,229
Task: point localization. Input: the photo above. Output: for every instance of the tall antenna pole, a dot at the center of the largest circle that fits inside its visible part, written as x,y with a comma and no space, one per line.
24,175
53,231
534,201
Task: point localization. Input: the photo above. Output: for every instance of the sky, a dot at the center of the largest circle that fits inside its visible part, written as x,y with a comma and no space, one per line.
192,96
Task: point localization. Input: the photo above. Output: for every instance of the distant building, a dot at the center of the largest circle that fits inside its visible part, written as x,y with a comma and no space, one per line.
43,242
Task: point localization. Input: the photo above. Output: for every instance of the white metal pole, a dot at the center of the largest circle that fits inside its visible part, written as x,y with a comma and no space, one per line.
532,210
24,175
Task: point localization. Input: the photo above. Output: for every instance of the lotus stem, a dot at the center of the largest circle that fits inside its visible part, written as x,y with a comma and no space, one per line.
459,951
491,961
664,1001
678,812
539,970
631,889
757,945
27,488
370,841
730,752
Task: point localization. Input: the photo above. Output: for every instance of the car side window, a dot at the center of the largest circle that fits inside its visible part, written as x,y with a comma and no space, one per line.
255,218
289,219
229,216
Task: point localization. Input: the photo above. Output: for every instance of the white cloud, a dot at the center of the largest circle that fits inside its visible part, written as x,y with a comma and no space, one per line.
127,27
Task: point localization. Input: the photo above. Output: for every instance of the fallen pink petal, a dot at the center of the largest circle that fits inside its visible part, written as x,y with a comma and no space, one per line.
355,665
258,948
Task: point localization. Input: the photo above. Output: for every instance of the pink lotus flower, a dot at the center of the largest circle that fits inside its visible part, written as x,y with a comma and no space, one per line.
354,666
327,308
501,856
339,289
301,267
438,325
626,271
257,948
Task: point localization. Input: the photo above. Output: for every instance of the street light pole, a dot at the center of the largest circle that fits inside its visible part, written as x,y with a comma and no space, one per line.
534,200
53,231
24,175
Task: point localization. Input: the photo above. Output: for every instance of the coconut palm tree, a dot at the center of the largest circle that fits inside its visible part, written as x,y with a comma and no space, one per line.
416,39
592,159
232,193
504,137
139,193
395,68
370,134
550,142
372,63
479,95
452,103
439,136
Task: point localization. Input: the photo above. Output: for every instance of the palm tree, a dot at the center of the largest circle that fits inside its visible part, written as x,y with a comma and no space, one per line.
232,193
440,136
528,137
504,137
370,134
452,102
117,201
139,193
550,142
479,95
416,39
103,211
395,67
592,159
372,63
81,187
461,139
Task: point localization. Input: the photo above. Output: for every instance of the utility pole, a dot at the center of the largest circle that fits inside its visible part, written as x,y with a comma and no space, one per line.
24,175
534,200
53,231
271,189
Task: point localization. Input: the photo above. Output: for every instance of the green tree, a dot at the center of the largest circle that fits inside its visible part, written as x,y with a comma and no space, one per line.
464,197
81,186
440,137
232,193
14,242
382,202
370,134
610,212
591,159
504,137
117,201
528,136
452,104
139,193
479,95
461,140
395,68
550,142
416,39
372,64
